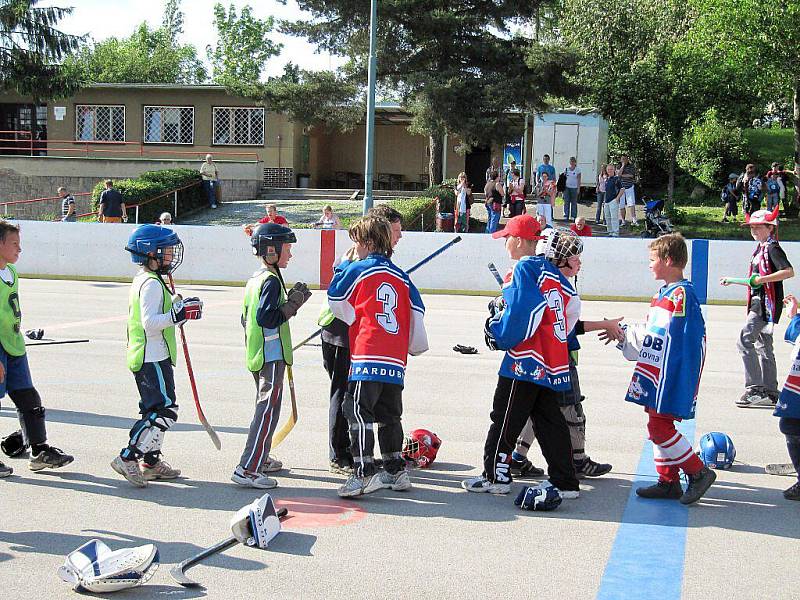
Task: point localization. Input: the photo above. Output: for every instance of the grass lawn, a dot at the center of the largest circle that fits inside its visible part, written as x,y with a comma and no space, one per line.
705,222
770,145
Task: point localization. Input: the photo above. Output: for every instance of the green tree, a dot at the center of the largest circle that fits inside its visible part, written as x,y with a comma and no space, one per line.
243,49
31,50
455,65
172,21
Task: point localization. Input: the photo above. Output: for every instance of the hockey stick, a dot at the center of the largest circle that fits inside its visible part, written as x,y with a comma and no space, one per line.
178,572
428,258
289,425
780,469
496,274
56,342
200,414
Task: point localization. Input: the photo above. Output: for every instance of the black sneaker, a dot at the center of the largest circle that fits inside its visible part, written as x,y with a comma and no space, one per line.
525,468
698,485
793,493
49,458
6,471
663,490
589,468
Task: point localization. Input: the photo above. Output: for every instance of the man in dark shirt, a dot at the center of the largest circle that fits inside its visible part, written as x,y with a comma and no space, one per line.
112,205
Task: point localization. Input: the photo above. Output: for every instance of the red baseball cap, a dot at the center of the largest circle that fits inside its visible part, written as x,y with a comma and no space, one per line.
521,226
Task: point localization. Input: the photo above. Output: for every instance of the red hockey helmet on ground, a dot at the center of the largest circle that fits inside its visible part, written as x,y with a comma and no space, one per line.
421,447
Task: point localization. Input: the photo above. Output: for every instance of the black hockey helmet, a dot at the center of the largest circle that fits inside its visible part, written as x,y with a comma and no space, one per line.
268,239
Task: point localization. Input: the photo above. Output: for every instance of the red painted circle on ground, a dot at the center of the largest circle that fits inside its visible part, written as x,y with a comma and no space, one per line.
312,513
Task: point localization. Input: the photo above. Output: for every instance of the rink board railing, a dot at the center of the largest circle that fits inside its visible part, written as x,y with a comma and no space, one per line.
612,268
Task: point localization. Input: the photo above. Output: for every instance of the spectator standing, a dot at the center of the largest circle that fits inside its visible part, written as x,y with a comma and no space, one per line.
545,167
601,194
68,214
328,220
210,174
730,198
627,175
611,210
112,207
463,204
752,189
516,191
493,168
494,192
774,187
572,189
783,179
579,227
546,198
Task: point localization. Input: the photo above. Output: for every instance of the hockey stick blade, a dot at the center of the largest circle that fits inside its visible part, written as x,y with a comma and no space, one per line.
178,572
495,274
428,258
786,469
289,425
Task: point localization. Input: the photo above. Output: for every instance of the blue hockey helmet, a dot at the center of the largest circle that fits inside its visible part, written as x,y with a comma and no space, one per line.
268,239
717,450
151,242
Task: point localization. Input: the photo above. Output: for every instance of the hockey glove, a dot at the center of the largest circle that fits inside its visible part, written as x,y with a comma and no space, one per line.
303,288
489,336
496,305
186,309
295,299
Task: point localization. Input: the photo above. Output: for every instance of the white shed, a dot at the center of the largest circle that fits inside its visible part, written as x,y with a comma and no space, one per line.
582,133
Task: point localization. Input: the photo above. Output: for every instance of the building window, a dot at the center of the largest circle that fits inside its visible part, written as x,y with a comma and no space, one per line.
238,126
169,124
97,123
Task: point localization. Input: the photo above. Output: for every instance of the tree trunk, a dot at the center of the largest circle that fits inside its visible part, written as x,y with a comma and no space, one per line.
436,145
673,152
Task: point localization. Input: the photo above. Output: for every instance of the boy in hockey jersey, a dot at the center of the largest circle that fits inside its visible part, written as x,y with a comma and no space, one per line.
530,321
15,376
153,313
788,406
669,351
265,315
384,311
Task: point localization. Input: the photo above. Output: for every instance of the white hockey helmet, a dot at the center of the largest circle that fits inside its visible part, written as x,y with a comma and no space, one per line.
95,568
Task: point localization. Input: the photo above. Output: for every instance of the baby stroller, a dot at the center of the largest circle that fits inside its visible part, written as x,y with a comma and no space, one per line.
656,224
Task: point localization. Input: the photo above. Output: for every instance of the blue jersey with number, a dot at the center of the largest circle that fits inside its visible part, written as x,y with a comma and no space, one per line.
667,372
789,401
541,308
384,311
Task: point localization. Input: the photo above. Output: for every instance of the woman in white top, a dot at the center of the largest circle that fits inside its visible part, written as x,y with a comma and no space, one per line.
328,220
601,194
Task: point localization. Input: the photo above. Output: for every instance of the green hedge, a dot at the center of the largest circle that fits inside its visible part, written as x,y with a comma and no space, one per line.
151,184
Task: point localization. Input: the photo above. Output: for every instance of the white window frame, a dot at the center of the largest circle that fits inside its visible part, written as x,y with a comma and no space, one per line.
261,109
78,111
161,108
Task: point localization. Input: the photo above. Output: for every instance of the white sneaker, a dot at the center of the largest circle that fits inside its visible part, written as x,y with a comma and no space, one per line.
271,465
130,470
565,494
161,470
383,480
253,480
481,484
355,486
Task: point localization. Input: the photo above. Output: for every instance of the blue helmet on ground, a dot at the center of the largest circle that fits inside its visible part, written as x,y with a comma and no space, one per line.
268,239
717,450
151,242
541,497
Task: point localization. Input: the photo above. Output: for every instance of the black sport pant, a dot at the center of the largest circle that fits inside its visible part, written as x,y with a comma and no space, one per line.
514,402
337,363
370,404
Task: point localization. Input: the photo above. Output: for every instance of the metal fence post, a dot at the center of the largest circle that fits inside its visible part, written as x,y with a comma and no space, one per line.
137,214
175,205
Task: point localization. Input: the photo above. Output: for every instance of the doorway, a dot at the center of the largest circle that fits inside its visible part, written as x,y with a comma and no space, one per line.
475,164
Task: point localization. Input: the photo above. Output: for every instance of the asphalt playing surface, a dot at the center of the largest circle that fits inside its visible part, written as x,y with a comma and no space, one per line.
433,541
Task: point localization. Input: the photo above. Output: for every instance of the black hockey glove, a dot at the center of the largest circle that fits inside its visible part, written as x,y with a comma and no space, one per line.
488,336
496,305
303,288
186,309
294,300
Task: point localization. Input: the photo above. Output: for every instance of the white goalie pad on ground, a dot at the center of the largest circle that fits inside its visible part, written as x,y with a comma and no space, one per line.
257,523
94,567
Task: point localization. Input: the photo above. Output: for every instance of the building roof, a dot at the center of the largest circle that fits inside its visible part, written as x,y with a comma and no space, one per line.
161,86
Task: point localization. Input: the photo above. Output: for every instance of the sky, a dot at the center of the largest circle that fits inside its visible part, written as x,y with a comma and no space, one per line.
102,19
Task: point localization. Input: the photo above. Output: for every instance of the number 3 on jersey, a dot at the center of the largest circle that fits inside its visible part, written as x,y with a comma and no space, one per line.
556,303
387,296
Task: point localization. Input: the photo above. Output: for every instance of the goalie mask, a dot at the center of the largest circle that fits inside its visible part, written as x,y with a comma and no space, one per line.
153,242
421,447
257,523
717,450
559,245
95,568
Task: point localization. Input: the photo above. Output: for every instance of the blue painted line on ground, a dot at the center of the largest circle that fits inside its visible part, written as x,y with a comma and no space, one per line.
700,269
648,556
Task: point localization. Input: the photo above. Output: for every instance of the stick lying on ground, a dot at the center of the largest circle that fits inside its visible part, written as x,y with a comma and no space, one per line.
428,258
200,414
46,342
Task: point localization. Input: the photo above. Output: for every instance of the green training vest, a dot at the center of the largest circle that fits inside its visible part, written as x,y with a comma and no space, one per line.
11,316
137,338
257,339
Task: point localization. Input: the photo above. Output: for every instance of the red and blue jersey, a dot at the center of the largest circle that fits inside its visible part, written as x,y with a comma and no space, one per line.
789,401
385,313
541,308
667,372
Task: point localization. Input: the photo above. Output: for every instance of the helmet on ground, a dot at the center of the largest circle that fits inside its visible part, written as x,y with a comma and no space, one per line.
421,447
559,245
544,496
157,243
717,450
268,239
14,444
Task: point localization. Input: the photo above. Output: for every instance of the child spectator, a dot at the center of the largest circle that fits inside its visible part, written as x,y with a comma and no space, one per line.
611,208
767,270
788,406
579,227
530,321
384,312
752,190
463,204
546,197
328,220
516,191
669,351
774,188
268,342
730,198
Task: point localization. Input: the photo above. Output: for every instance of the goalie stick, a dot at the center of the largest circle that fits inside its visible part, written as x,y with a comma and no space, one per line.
178,572
200,414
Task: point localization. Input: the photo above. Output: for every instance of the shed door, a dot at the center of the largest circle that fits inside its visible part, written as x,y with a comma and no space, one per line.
565,144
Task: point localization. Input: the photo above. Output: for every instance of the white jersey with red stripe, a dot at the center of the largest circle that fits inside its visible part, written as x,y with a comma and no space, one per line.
385,313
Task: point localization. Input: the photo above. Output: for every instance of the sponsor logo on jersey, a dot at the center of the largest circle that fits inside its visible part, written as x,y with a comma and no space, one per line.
538,373
519,371
635,389
678,298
